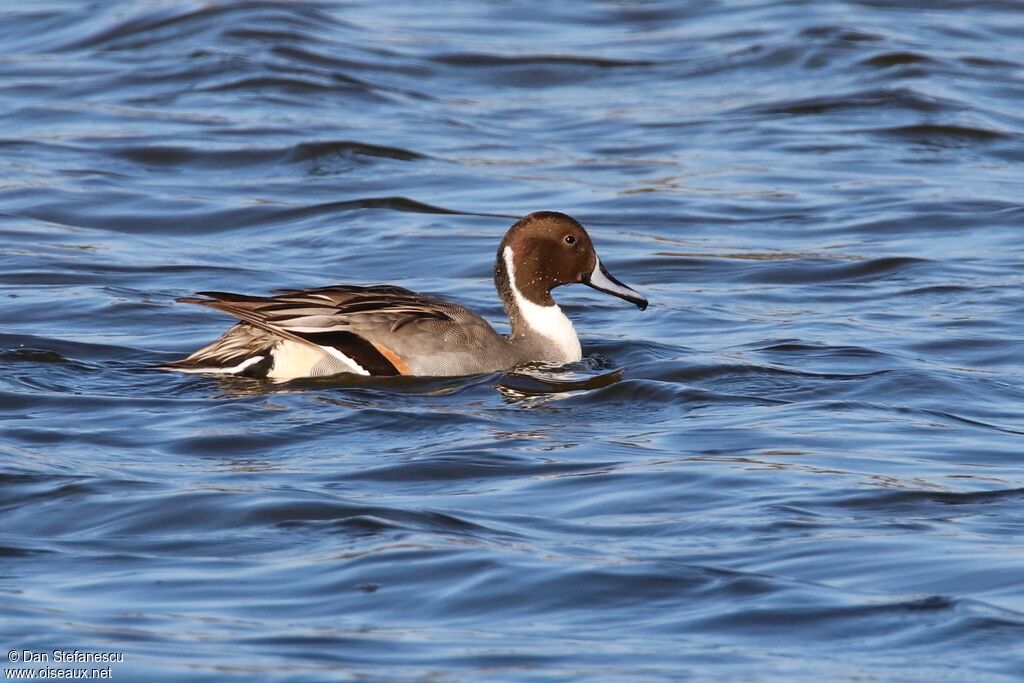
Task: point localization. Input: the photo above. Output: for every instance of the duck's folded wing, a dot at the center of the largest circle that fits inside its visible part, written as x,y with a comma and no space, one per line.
356,322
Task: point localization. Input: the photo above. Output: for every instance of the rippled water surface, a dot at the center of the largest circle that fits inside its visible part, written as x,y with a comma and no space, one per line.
804,462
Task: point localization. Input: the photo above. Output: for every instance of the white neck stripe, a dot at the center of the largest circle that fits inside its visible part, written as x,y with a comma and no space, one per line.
547,321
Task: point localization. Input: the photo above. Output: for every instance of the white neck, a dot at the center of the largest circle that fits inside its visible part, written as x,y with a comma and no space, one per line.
547,321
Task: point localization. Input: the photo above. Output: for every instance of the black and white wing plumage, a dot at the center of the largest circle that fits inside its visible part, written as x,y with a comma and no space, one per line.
368,330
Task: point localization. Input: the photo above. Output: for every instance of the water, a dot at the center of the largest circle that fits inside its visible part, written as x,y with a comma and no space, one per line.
803,462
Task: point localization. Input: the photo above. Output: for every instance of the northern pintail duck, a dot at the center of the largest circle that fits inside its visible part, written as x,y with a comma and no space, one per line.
385,330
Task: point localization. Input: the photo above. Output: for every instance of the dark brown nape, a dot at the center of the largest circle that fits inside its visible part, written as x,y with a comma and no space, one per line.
550,249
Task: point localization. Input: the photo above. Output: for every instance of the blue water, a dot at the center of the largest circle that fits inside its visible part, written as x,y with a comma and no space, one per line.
804,462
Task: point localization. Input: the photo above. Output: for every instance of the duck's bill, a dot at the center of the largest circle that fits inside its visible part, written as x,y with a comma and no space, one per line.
603,281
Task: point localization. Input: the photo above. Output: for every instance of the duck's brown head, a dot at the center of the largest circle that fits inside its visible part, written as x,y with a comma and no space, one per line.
547,249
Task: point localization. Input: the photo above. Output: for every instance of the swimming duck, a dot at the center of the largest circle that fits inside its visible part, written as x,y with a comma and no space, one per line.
383,330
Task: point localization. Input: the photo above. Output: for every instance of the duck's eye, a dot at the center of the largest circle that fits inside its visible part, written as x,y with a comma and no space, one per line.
570,239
